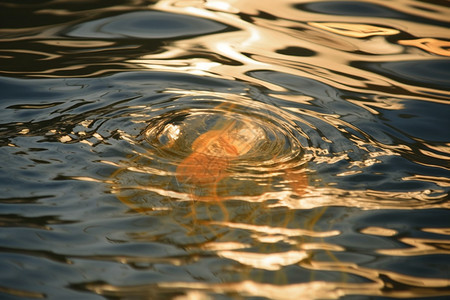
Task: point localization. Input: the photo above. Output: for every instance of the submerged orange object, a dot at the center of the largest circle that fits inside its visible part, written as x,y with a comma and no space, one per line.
212,152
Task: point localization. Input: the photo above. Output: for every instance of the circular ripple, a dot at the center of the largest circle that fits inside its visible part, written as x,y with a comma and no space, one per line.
259,137
212,148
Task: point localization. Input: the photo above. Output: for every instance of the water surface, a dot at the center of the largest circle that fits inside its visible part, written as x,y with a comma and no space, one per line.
224,149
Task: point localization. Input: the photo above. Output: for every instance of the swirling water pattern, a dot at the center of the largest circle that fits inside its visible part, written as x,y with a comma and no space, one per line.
337,189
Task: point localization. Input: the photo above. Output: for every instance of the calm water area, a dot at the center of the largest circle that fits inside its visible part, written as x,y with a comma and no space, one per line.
224,149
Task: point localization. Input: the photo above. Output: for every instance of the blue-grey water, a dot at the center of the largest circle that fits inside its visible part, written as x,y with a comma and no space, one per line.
224,149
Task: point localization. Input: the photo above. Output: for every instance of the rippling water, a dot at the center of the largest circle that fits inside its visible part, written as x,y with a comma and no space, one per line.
224,149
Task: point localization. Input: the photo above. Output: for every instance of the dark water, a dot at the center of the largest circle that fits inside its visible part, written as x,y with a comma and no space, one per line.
224,149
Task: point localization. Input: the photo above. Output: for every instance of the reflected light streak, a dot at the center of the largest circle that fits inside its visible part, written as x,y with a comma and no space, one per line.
222,246
195,66
221,6
435,46
443,231
21,293
376,276
266,261
380,231
354,30
305,291
77,44
366,199
289,232
440,181
420,247
44,55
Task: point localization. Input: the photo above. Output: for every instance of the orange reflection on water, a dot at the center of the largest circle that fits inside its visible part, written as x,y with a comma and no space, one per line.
379,231
420,246
77,44
265,261
281,231
248,288
444,231
354,30
413,286
435,46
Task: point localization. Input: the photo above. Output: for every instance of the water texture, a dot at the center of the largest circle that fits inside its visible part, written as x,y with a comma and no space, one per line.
224,149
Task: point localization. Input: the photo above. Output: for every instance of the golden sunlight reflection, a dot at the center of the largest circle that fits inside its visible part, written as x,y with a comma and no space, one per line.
223,246
375,275
379,231
278,231
444,231
440,181
436,46
77,44
250,46
22,294
222,6
265,261
355,30
419,246
366,199
310,290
